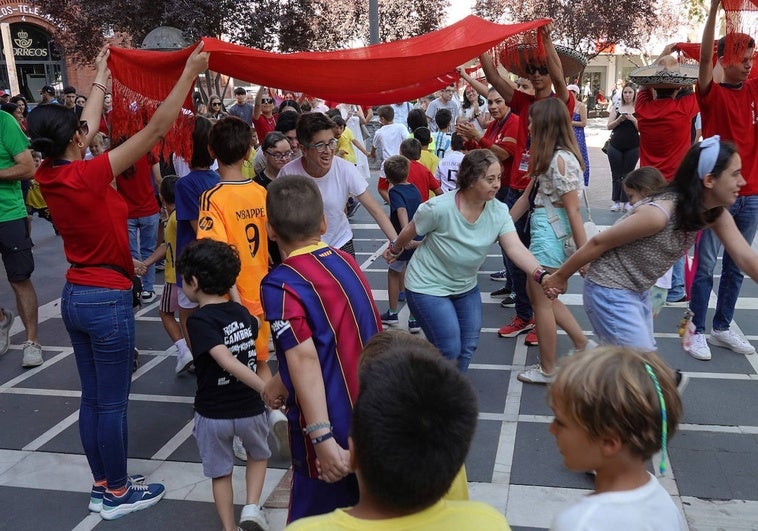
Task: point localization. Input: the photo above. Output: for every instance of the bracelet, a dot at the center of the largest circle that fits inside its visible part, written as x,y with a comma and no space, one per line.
310,428
538,275
99,85
394,250
322,438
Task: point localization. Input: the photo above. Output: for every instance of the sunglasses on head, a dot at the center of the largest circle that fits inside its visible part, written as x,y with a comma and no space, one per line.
532,69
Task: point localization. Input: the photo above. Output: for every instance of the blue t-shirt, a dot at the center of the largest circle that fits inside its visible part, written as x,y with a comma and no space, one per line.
188,191
407,196
454,249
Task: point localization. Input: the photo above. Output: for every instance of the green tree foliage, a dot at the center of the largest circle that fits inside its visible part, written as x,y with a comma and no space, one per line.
588,25
275,25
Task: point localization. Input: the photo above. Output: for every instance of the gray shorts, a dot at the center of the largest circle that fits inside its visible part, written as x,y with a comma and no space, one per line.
214,440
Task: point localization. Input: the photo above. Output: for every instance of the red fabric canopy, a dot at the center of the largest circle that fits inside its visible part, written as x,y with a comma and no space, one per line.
383,73
691,50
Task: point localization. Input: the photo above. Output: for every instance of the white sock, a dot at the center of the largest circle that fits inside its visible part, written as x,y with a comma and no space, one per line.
181,346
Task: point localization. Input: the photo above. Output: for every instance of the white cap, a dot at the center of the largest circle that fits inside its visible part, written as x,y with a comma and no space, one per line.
573,88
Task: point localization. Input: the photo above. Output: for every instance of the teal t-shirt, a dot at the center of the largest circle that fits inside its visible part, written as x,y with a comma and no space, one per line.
447,261
12,142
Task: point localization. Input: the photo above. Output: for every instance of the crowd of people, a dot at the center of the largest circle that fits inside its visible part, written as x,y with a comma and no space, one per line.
254,236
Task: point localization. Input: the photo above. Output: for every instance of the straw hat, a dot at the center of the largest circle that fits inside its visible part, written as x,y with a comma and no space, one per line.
516,61
665,73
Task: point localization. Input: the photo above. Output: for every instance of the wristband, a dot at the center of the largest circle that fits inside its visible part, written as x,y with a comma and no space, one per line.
538,275
310,428
394,249
99,85
322,438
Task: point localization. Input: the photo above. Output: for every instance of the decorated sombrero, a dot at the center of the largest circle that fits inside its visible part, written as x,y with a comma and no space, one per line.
665,73
517,59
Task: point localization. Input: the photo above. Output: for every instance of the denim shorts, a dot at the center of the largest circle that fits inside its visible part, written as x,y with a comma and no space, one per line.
398,265
545,245
619,316
214,441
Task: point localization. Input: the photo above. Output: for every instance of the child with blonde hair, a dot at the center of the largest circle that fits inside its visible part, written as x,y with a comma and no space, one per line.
614,408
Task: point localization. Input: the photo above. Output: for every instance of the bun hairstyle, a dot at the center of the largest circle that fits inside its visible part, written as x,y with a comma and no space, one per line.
51,127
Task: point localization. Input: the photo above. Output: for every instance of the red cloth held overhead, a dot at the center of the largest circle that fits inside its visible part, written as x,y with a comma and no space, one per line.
382,73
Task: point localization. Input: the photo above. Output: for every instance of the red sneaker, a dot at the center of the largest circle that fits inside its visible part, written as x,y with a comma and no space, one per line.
531,339
516,327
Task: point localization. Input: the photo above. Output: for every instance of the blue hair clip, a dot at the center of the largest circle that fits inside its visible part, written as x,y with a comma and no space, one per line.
664,418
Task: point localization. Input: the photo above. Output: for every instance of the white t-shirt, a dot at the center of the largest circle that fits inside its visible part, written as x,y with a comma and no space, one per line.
387,139
447,170
646,508
436,105
340,182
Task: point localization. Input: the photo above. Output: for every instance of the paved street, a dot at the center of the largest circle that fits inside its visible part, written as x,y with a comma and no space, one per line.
514,463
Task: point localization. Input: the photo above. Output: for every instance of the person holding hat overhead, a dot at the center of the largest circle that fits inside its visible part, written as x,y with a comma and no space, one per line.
728,109
547,78
665,108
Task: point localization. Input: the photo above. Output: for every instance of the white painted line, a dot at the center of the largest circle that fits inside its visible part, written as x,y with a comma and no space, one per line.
53,432
175,442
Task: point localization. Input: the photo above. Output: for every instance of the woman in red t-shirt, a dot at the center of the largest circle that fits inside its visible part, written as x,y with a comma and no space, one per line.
96,304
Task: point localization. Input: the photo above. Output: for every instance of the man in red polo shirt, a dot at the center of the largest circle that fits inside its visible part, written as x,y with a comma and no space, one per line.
548,82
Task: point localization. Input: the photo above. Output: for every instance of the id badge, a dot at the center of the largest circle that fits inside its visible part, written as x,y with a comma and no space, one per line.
524,163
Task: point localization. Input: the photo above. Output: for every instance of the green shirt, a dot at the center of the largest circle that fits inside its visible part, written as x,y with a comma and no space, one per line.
12,142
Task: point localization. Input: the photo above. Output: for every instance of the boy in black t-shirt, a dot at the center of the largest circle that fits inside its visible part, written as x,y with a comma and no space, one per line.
228,401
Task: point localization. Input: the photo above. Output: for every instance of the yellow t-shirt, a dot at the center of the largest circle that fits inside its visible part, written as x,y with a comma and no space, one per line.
345,143
442,516
430,160
235,212
248,167
169,236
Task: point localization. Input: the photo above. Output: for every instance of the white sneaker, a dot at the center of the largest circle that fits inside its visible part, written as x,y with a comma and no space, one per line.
535,375
615,207
699,349
239,449
279,427
252,518
731,340
591,344
183,360
32,355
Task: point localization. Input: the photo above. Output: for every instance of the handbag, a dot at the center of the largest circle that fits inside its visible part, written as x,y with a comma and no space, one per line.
606,145
559,227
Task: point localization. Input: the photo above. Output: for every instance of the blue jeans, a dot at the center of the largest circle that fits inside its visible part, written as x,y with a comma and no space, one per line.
620,316
101,325
518,277
143,236
745,214
452,323
676,292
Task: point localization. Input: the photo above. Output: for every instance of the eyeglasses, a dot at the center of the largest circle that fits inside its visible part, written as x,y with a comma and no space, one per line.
278,155
216,104
532,69
84,127
321,147
267,100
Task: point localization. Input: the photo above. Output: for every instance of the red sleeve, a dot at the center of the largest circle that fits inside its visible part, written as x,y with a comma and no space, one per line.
383,184
432,181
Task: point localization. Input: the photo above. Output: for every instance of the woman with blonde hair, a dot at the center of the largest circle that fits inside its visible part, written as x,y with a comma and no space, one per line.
556,168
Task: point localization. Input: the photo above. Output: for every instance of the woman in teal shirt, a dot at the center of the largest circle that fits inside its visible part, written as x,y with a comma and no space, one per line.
440,281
